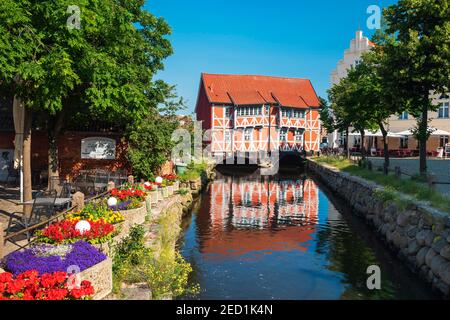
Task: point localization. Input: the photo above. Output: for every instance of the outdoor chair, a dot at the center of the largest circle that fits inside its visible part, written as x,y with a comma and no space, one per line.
67,189
43,208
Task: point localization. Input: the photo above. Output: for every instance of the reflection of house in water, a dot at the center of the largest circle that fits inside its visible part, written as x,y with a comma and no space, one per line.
262,202
259,214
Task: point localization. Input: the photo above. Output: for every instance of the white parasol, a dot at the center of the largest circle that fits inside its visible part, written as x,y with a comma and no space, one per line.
434,132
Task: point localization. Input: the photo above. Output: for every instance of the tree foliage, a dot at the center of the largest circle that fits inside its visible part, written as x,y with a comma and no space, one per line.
417,51
102,71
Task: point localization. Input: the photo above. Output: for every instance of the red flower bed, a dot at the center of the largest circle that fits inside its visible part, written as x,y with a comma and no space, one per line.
54,286
65,232
128,194
170,177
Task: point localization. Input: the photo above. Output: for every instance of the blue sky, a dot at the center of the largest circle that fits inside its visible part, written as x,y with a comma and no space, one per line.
300,38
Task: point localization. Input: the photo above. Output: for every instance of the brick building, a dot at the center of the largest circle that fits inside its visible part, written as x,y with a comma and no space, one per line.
249,114
85,148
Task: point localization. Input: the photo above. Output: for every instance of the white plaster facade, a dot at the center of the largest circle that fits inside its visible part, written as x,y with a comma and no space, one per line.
352,56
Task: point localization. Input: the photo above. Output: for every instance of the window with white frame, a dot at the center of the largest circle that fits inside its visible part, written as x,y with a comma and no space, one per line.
443,111
404,143
249,111
227,136
300,114
227,112
298,135
443,141
403,116
283,135
247,134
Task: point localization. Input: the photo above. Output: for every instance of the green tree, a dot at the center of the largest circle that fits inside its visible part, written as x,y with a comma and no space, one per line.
418,60
326,115
103,70
377,100
150,139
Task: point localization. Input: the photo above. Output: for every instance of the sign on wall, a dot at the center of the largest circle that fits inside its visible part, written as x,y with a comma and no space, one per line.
98,148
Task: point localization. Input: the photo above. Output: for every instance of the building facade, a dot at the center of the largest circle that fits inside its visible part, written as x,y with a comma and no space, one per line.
439,119
250,114
352,57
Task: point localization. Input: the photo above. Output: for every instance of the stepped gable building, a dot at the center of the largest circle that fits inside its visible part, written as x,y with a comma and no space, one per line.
249,114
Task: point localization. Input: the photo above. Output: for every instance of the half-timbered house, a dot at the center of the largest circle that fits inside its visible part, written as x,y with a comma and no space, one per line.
249,114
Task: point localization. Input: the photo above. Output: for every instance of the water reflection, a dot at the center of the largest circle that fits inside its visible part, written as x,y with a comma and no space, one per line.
256,237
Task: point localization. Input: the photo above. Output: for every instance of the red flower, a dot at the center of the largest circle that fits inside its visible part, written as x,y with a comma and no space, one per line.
128,194
47,287
64,230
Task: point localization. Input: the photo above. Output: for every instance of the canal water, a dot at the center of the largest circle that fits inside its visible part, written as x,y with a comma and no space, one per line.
286,237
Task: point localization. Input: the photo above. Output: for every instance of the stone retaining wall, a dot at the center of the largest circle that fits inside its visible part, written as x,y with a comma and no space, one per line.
418,233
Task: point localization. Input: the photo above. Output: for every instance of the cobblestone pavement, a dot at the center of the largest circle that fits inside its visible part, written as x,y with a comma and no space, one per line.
440,168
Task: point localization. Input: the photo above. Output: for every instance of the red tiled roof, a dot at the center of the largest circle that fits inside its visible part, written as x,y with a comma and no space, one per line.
246,97
247,90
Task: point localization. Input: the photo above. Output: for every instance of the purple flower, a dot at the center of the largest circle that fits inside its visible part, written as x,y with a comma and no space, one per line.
82,255
121,206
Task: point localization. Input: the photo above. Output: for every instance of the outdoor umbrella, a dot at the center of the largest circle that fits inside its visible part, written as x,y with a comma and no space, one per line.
435,132
378,133
19,116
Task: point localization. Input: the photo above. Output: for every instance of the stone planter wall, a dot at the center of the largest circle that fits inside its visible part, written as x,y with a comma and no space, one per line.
100,276
418,233
134,216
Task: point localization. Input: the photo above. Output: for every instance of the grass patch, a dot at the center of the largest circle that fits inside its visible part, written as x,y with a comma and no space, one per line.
413,187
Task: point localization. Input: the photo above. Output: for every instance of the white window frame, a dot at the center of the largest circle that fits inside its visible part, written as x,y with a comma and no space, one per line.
298,135
248,133
404,116
443,141
227,136
443,109
283,135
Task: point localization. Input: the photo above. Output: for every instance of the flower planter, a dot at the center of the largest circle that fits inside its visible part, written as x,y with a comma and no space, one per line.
153,195
135,216
165,192
176,186
100,277
170,190
160,195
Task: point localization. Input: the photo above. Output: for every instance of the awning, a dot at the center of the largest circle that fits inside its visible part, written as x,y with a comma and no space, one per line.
435,132
377,134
